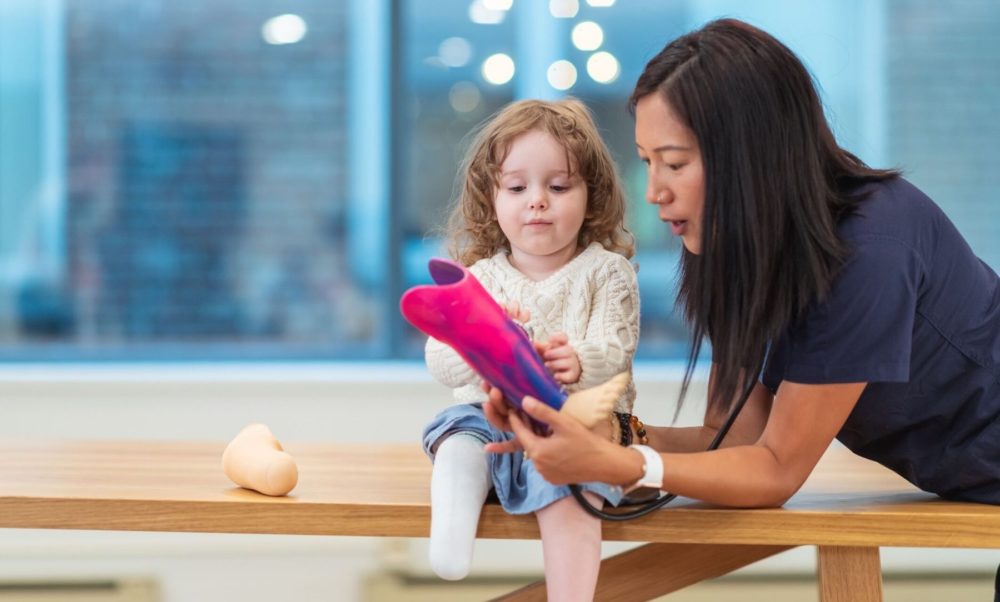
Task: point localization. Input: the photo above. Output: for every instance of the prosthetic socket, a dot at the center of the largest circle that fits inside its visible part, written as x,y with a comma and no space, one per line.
459,312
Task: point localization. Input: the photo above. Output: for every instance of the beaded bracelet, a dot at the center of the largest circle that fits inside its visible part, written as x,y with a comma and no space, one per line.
622,425
640,429
624,422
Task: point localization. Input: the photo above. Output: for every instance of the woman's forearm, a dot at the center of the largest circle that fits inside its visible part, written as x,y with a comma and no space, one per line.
695,438
743,476
801,422
787,434
745,431
679,439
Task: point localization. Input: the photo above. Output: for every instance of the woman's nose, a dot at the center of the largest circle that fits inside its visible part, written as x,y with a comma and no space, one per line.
657,195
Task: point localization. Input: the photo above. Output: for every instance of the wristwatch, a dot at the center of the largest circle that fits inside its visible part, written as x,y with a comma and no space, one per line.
652,469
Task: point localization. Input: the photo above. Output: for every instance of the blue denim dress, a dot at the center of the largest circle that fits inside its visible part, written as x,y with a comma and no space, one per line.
520,488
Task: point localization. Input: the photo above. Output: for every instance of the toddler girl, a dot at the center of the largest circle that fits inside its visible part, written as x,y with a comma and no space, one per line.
540,223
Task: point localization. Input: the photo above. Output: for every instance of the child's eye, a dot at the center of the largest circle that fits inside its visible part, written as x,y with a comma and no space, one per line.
516,188
556,188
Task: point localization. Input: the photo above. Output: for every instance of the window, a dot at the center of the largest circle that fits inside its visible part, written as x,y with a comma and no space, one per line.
253,179
205,206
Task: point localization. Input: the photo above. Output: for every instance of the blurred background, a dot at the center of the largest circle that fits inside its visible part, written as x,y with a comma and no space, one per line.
209,210
261,179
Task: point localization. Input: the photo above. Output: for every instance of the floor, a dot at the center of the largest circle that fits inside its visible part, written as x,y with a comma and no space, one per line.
974,587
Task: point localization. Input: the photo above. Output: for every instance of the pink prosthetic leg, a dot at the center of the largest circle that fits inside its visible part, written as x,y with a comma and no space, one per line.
459,312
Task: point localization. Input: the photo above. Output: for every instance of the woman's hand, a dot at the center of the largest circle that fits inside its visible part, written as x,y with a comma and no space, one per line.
571,453
498,412
497,408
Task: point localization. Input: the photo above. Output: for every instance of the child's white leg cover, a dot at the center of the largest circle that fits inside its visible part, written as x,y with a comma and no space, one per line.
459,483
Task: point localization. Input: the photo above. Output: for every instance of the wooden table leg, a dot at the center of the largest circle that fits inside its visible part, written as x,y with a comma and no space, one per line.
849,574
657,569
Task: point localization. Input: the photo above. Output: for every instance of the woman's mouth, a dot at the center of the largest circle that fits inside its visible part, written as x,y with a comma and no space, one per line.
678,227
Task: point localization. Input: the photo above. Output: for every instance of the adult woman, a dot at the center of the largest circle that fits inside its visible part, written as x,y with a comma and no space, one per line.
872,319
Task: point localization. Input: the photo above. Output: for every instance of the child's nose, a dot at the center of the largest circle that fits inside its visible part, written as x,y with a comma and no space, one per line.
539,201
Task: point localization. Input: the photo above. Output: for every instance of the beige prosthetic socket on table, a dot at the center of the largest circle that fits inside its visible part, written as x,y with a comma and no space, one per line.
255,460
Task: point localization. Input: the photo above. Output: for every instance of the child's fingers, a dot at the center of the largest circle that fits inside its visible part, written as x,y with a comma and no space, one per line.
516,312
559,365
558,339
558,353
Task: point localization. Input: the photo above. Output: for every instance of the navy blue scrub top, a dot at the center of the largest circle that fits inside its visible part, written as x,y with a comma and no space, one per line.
914,313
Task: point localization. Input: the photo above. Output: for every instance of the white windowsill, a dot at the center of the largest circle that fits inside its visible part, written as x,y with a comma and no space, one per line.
321,372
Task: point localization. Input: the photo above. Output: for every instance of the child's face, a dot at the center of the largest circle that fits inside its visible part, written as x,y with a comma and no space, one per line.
676,177
539,206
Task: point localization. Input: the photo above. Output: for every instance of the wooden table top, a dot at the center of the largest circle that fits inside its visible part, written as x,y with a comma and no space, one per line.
382,490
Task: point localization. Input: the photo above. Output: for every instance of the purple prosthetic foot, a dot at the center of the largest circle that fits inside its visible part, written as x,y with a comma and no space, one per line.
458,311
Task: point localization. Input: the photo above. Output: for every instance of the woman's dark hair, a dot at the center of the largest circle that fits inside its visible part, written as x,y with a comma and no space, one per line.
776,185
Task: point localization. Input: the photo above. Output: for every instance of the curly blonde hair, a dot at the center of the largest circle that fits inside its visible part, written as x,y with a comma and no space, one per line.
473,230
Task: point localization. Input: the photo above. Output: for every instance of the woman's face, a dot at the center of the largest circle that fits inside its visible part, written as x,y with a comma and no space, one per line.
675,175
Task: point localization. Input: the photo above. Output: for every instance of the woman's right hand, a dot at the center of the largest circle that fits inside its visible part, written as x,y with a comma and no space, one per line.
497,408
498,411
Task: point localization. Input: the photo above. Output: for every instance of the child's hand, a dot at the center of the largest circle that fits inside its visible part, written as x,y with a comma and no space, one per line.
561,359
516,312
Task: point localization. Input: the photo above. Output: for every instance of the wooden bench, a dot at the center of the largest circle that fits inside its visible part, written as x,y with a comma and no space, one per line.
848,509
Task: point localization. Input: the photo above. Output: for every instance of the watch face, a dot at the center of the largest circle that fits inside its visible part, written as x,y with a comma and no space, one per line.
641,495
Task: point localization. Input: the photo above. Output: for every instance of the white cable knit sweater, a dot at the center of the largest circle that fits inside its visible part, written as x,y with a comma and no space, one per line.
594,299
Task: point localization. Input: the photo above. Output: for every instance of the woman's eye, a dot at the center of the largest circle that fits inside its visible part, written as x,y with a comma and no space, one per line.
674,166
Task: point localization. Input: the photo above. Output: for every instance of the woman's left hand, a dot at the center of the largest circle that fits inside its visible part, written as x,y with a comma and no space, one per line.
571,453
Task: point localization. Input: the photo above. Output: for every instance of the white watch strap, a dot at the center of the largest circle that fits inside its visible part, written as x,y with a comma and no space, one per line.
652,469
